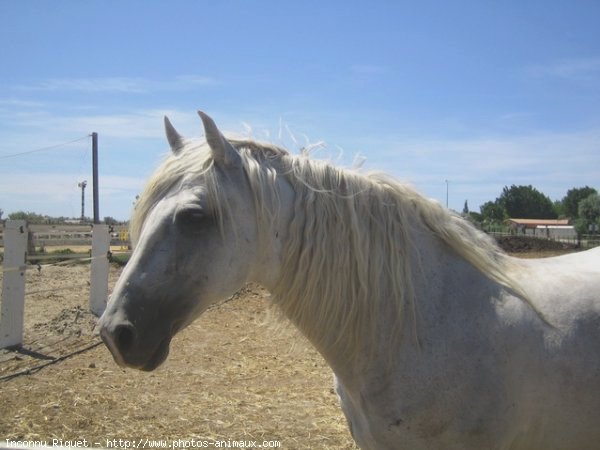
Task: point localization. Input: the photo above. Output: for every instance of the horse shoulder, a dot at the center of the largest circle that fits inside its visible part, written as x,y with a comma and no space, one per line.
566,288
436,395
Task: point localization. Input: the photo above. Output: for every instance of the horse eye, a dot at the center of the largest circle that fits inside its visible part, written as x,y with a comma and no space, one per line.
192,216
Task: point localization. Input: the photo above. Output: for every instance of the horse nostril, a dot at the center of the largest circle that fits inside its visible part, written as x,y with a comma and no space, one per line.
124,337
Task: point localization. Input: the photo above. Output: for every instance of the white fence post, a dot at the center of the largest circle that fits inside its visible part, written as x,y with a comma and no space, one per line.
13,285
99,269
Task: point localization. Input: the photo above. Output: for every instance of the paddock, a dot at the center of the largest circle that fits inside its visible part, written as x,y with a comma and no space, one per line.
226,378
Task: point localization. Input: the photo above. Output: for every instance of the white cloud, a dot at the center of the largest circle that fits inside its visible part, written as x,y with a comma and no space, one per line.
61,185
116,183
23,128
139,123
478,168
527,152
131,85
579,69
18,103
131,145
57,194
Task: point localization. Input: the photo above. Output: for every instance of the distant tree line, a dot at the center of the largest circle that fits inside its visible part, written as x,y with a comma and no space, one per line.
38,219
580,205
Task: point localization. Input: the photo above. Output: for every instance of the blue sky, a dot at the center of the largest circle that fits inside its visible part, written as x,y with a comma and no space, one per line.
482,94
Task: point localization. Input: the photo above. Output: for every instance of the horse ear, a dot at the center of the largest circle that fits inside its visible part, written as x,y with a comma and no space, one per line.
174,138
223,152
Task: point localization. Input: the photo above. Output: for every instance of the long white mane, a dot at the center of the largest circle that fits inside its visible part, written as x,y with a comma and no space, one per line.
351,237
352,252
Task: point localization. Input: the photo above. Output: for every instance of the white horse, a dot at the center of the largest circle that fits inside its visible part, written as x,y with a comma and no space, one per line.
437,339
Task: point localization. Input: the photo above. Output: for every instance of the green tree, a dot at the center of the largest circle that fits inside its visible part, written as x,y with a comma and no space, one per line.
30,217
526,202
110,220
475,218
589,211
570,202
493,212
559,209
465,210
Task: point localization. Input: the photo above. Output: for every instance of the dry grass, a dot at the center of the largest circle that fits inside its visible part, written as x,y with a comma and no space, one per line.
228,377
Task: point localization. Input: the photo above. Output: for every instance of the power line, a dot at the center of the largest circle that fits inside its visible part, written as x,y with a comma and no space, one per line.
44,148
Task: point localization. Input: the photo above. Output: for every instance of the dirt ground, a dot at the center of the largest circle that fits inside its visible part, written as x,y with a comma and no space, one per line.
230,376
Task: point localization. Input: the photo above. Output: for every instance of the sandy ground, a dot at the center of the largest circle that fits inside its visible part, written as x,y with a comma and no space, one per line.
230,376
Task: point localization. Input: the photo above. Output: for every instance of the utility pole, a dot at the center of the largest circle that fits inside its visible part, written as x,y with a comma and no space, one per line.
95,177
82,185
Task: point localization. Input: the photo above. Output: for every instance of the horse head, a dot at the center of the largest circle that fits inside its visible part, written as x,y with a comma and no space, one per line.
196,242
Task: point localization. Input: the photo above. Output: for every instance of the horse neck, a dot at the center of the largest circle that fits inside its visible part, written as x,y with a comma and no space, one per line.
430,261
273,233
310,308
328,336
449,294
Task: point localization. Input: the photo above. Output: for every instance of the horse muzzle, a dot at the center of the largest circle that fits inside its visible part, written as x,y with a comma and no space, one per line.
129,348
